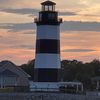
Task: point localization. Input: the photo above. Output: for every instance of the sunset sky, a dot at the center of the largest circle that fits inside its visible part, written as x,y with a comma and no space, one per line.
80,31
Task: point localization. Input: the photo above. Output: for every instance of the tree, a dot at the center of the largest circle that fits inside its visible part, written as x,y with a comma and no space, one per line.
29,68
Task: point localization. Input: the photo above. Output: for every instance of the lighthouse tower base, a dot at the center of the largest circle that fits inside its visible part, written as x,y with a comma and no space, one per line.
75,87
44,86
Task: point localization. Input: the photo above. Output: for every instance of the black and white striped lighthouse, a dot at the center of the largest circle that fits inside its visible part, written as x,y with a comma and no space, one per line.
47,61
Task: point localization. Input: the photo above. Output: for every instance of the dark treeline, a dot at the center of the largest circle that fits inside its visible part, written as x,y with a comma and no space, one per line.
72,70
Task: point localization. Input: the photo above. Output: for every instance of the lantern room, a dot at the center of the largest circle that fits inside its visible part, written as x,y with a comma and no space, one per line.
48,15
48,6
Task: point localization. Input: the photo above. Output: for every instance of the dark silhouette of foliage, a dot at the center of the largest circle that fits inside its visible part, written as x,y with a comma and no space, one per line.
78,71
72,70
29,68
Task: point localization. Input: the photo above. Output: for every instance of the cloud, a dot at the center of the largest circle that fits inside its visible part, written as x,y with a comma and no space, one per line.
80,26
21,11
19,3
91,15
23,46
0,36
78,50
32,12
18,56
67,13
17,27
66,26
29,32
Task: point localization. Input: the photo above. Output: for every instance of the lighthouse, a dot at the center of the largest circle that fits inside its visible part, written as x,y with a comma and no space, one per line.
47,55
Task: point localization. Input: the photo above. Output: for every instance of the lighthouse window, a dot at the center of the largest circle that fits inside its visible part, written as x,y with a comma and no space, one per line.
53,8
43,8
46,8
50,8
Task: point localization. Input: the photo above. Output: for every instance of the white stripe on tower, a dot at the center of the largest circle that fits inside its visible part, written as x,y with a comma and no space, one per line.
47,61
48,32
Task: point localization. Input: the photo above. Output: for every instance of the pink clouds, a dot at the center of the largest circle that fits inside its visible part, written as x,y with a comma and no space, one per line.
18,56
80,45
18,3
79,40
17,47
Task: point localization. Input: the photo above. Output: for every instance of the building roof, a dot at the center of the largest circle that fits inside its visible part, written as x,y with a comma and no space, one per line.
48,3
8,73
2,63
7,67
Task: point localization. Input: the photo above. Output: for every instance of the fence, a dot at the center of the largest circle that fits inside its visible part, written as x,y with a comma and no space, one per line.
45,96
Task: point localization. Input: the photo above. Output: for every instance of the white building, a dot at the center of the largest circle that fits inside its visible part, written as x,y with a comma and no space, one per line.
12,76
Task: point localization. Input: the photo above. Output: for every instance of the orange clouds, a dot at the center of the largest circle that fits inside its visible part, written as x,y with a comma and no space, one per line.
80,45
17,47
17,43
14,18
18,56
19,3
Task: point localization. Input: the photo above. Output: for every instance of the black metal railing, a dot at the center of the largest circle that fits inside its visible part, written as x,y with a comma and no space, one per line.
58,20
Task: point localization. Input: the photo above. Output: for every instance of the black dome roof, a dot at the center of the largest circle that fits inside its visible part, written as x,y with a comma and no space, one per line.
48,3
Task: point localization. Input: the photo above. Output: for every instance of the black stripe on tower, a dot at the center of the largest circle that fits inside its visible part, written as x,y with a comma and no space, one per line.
48,46
48,23
47,75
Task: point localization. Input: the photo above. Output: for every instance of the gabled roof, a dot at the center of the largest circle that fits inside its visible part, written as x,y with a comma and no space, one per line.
7,65
8,73
48,3
6,62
